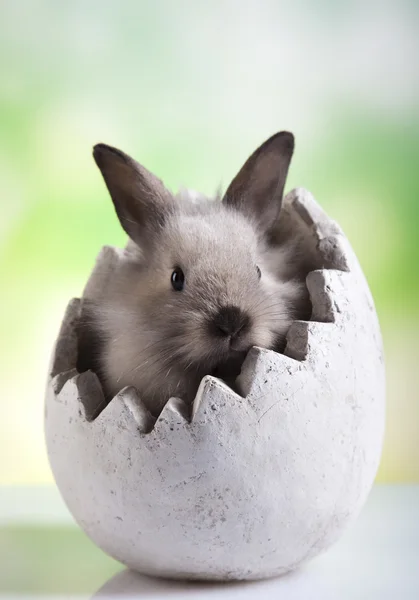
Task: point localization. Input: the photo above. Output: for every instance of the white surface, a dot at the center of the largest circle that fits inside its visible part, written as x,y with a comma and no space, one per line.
253,486
378,559
22,505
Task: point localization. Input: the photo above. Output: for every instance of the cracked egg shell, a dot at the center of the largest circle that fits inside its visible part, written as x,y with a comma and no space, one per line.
252,485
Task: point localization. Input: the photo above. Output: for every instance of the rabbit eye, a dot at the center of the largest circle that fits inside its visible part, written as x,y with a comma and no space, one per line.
178,279
259,272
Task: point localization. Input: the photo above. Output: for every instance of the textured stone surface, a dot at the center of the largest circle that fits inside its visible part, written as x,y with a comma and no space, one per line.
255,484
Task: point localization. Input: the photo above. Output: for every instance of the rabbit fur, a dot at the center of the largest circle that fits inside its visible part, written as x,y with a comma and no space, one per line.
203,280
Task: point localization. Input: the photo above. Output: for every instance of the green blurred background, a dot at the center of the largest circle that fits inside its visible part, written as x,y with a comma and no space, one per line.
190,89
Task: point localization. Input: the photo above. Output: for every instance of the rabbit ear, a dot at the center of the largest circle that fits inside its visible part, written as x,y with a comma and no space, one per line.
141,201
258,187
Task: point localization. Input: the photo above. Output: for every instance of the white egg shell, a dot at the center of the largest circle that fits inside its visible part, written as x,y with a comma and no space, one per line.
254,484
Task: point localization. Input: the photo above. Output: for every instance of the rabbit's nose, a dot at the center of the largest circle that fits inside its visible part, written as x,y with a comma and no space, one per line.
230,321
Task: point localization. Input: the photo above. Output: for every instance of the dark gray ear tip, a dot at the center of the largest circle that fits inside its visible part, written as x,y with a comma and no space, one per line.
281,143
286,141
101,151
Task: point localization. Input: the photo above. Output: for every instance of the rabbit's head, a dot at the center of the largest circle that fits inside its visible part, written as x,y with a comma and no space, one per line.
202,290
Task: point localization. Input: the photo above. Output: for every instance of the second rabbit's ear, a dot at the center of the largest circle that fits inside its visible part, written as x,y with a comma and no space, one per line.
141,201
258,188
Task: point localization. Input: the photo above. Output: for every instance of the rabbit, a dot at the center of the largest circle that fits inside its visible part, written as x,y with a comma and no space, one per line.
202,282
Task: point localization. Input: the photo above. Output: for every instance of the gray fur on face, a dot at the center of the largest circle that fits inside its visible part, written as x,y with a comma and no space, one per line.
163,341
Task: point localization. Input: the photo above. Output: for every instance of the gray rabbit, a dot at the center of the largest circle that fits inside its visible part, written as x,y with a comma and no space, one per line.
203,281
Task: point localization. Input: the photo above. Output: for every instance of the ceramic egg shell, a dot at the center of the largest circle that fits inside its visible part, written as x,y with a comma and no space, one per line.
252,485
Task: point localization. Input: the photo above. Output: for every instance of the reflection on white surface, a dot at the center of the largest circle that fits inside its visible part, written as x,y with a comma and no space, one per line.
134,585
